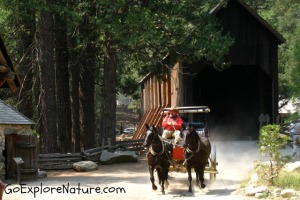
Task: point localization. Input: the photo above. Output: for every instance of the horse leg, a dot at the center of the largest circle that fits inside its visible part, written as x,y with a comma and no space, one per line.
201,176
158,170
164,176
162,187
189,170
167,178
197,175
151,170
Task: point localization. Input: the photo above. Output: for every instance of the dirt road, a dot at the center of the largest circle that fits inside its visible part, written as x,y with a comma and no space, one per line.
131,180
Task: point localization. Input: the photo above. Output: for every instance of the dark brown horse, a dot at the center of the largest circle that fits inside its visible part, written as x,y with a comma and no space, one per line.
158,157
196,155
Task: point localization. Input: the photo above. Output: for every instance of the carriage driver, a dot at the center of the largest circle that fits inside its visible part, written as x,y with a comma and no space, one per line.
172,123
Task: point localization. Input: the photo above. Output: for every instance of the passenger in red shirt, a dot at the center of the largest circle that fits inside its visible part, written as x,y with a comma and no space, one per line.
172,123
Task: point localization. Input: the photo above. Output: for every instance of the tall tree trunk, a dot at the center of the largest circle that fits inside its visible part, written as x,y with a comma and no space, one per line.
74,69
109,96
87,82
62,84
26,47
87,104
48,103
76,144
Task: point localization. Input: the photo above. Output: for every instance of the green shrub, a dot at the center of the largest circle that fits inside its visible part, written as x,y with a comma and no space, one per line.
270,142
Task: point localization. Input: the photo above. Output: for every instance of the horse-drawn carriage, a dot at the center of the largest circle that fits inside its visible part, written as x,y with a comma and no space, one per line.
196,117
194,152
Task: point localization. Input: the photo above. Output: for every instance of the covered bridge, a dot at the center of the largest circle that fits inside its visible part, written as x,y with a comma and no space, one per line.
237,95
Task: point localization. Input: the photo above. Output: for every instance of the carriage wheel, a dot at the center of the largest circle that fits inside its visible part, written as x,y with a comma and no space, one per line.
213,163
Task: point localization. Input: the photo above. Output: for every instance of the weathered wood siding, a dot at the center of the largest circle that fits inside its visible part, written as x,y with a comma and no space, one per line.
256,44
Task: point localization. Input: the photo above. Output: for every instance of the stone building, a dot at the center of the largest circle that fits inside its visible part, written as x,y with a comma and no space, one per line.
16,140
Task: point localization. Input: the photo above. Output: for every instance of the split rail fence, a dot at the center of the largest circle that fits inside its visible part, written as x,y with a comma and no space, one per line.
57,161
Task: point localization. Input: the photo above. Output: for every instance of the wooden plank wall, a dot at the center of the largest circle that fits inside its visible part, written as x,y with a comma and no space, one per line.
156,96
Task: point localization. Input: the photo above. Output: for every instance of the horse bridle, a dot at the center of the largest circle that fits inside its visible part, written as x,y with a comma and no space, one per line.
157,153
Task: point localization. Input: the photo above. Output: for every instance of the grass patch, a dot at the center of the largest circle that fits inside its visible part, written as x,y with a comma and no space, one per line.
245,182
288,180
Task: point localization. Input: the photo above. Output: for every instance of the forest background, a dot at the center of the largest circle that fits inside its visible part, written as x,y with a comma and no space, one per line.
74,56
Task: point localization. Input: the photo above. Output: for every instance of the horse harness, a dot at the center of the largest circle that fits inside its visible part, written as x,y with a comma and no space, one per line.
159,154
192,152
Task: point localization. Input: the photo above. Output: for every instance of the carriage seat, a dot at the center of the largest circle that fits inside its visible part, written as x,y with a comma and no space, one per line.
194,124
198,126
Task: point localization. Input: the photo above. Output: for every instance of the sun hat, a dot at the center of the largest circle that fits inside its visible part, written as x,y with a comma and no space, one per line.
173,109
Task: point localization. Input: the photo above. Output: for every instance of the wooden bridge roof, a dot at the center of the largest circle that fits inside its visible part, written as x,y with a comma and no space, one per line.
221,6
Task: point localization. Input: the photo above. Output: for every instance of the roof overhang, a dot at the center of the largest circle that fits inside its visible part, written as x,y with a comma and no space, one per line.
222,6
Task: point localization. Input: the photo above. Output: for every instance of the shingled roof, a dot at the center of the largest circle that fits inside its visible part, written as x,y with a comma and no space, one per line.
9,115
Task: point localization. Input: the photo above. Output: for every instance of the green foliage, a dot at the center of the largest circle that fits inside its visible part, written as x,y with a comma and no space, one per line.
143,33
147,32
270,142
35,132
128,85
284,16
288,180
295,74
4,14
